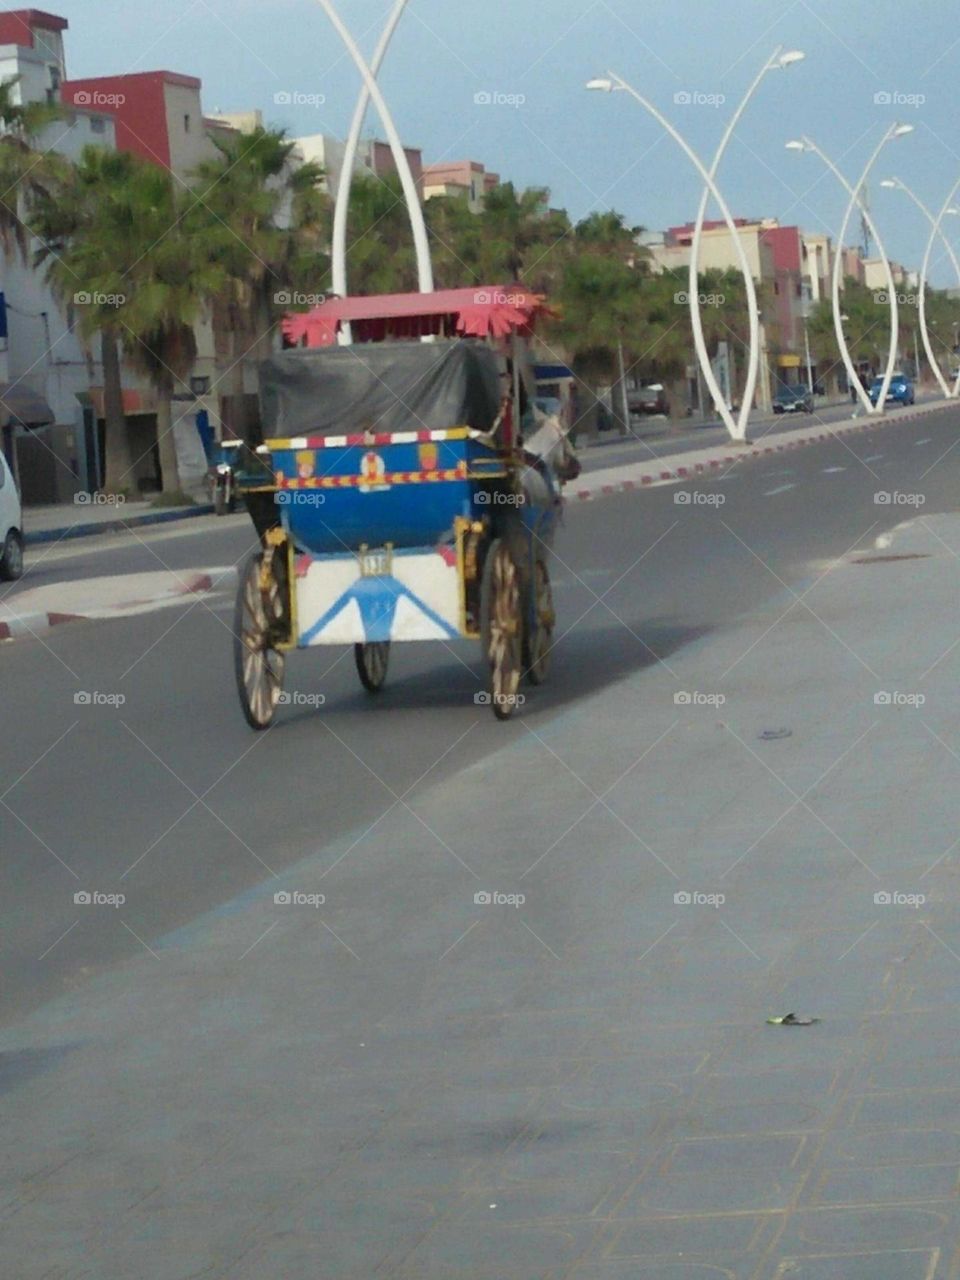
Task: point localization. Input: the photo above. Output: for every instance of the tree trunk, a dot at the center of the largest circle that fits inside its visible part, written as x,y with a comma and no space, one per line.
117,462
238,405
170,472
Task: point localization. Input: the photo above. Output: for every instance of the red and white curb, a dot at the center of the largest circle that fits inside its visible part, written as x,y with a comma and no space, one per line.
122,596
665,471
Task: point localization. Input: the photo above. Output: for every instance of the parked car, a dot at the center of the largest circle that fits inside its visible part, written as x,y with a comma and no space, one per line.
648,401
11,526
901,389
795,399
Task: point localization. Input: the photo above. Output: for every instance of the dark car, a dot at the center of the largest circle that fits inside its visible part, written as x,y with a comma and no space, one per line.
901,389
796,399
648,401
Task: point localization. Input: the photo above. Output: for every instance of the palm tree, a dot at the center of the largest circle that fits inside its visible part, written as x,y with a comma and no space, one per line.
26,174
523,239
170,276
81,222
266,222
380,253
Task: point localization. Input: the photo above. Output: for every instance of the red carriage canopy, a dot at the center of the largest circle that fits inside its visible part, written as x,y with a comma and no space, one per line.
490,311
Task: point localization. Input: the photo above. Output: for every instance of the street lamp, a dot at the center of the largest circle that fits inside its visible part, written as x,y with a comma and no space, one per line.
894,184
806,145
937,230
411,195
612,83
778,61
342,208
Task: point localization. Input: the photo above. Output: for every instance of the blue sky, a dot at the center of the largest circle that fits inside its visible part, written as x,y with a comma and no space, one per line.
592,150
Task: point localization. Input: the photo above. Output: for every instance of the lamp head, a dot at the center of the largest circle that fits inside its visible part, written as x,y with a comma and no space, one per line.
602,85
791,57
796,145
900,130
954,210
891,184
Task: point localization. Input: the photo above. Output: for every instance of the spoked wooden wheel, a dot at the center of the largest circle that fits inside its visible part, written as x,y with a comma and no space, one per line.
501,627
372,661
258,665
536,651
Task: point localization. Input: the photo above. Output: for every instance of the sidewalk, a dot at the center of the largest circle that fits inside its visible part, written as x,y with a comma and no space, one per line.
418,1078
59,521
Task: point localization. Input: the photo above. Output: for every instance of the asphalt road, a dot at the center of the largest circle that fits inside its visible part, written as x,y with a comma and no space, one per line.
168,797
659,437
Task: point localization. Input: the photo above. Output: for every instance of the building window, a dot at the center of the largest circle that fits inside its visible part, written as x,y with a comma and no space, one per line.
98,124
186,124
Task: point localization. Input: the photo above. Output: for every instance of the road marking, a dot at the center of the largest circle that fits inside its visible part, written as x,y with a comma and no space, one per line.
874,457
919,442
829,471
782,489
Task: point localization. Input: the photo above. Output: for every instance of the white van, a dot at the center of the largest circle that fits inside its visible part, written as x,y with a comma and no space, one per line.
11,526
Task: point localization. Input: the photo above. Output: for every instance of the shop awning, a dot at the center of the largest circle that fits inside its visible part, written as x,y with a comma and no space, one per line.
20,406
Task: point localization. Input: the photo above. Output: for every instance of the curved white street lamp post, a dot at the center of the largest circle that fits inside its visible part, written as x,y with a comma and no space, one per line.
614,83
342,207
894,184
778,61
805,144
417,221
937,230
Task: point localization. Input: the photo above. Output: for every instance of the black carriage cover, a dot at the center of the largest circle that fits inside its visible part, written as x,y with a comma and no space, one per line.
385,386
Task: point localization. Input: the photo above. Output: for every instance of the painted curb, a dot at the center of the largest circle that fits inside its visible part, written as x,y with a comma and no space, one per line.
689,470
33,625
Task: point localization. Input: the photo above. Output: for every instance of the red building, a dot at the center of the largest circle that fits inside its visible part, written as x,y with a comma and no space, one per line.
157,114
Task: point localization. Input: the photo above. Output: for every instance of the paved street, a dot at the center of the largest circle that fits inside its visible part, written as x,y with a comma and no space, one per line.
402,1080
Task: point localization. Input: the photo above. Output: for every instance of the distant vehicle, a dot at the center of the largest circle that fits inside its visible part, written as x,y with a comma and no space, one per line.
648,401
901,389
796,399
11,526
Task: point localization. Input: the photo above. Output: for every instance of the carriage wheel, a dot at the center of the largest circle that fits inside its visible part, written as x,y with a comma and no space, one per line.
501,627
372,661
536,655
258,666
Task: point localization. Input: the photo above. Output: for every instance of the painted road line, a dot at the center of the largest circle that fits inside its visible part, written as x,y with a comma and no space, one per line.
874,457
780,489
829,471
917,443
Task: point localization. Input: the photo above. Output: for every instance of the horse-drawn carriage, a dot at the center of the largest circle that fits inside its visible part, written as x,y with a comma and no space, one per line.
407,490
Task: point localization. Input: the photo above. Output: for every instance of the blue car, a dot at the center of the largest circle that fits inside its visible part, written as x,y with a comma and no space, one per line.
901,390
